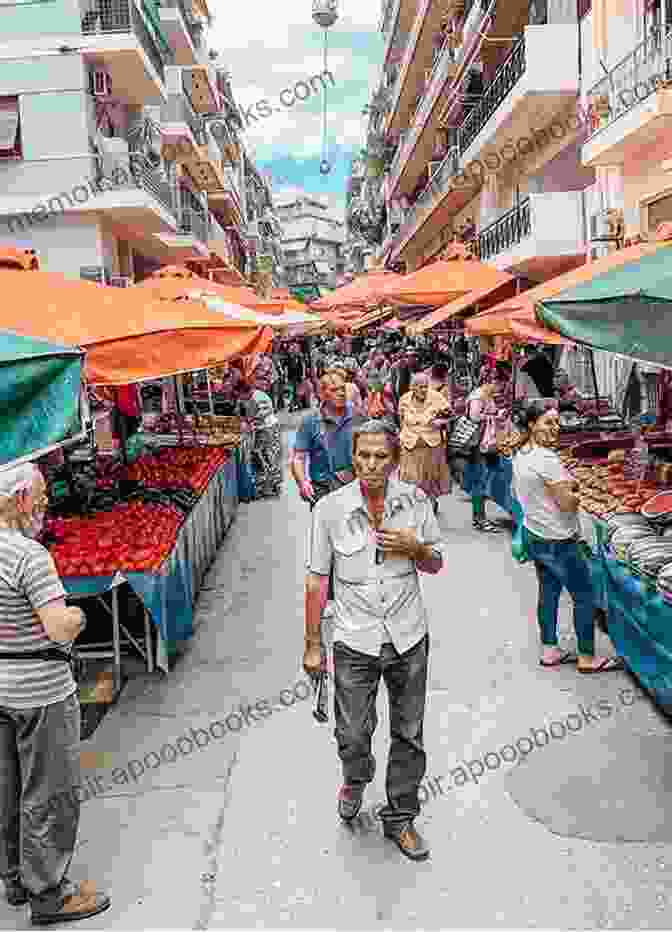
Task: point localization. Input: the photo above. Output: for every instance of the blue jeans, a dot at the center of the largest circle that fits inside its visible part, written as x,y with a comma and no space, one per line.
559,566
356,679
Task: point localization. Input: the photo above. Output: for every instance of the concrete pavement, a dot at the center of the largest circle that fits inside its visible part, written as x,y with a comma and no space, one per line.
243,832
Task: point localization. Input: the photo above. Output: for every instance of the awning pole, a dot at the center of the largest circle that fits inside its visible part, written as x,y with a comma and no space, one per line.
592,369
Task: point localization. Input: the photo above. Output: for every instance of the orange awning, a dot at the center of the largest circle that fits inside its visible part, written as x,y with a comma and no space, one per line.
170,287
490,292
520,308
128,338
441,282
359,292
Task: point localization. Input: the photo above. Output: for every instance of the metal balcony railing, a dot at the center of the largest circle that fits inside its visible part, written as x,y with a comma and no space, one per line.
635,77
506,232
111,17
437,185
136,171
505,79
193,28
196,223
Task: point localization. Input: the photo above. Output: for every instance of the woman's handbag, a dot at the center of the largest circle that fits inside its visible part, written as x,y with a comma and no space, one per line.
520,544
465,436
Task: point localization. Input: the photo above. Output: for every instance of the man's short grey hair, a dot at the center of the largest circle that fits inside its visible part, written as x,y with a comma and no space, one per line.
377,427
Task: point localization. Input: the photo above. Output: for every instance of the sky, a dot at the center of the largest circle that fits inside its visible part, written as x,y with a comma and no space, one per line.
269,49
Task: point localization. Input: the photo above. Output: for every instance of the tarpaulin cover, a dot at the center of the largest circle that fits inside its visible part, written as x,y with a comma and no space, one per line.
167,287
626,310
39,394
358,293
440,282
490,292
128,337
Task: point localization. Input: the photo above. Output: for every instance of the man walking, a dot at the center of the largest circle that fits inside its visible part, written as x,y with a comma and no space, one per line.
322,460
375,535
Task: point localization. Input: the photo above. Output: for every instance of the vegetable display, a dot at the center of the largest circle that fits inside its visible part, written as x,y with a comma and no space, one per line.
136,535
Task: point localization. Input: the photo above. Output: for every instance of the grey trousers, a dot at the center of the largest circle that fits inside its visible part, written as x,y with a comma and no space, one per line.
39,805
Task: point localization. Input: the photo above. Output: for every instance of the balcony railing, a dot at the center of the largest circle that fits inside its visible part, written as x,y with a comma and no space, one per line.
112,17
194,30
633,79
196,223
437,185
136,171
505,79
506,232
389,16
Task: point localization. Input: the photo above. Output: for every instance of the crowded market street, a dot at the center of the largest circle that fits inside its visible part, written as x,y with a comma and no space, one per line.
244,833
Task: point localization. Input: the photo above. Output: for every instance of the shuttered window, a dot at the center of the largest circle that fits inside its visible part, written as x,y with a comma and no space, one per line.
10,128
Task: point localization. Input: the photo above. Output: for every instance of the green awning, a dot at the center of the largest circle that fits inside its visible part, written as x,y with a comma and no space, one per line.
627,310
39,394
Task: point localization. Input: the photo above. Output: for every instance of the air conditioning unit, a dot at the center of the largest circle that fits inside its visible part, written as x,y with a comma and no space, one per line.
100,82
120,281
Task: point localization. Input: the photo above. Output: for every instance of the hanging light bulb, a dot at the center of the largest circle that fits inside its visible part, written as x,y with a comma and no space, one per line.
325,12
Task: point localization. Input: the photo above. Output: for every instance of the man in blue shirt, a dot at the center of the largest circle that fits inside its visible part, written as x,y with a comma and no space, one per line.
322,460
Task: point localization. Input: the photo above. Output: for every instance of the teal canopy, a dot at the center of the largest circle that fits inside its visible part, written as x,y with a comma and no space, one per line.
627,310
39,394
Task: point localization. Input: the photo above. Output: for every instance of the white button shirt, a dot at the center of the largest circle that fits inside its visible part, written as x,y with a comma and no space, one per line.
373,604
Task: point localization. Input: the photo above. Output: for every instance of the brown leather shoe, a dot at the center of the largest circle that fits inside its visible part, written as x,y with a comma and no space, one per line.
81,905
408,841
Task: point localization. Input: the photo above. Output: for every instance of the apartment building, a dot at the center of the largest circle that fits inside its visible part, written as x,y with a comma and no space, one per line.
119,139
477,133
312,244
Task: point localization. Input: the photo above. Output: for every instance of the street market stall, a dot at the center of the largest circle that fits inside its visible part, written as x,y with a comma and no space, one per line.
154,516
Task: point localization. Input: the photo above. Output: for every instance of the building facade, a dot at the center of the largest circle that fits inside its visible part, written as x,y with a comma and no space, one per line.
532,129
119,139
312,245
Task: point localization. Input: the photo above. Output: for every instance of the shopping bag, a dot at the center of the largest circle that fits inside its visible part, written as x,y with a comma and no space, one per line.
465,437
519,544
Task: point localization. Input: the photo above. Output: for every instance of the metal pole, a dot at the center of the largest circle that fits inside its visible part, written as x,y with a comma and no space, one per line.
594,373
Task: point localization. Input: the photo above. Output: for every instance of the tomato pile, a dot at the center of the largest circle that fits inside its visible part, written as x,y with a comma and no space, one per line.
134,537
179,468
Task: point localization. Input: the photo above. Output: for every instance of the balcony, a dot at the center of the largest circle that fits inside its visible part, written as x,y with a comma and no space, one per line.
632,106
183,31
445,194
125,37
539,238
416,61
536,82
200,85
181,130
415,146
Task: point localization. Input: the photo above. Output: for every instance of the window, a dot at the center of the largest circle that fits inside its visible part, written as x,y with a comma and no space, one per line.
10,129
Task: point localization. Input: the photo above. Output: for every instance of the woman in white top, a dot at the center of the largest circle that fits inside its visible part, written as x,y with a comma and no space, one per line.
267,450
549,499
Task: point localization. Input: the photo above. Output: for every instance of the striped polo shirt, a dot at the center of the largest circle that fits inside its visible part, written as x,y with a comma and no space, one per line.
28,580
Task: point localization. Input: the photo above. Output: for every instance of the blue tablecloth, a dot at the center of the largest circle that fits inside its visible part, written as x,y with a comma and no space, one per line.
169,593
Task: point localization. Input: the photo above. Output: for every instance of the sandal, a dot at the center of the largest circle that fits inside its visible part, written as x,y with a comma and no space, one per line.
606,665
84,904
567,657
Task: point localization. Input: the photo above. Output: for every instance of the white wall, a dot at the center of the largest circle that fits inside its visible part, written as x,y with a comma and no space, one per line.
63,244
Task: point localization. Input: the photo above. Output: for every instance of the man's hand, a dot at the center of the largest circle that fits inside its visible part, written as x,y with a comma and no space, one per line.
312,660
307,491
400,543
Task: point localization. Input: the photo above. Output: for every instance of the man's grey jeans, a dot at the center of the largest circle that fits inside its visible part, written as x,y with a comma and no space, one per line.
39,805
356,679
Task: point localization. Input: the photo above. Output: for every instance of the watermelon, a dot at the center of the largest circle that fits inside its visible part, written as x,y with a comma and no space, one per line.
659,505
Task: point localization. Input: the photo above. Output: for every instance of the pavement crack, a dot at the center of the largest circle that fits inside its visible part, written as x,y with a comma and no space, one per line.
209,877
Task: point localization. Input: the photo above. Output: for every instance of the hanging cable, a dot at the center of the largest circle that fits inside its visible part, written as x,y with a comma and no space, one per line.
325,167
